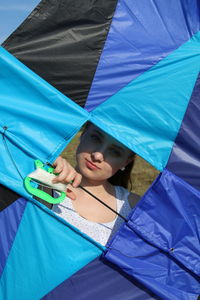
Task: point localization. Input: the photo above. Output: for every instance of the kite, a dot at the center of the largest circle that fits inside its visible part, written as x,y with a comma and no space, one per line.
131,68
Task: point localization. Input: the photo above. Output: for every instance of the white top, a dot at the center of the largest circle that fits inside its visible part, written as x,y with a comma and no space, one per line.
100,232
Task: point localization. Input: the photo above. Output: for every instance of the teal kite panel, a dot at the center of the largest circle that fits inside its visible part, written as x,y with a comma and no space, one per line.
46,251
146,114
36,121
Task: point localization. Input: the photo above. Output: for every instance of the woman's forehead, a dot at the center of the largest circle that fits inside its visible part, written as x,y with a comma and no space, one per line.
107,137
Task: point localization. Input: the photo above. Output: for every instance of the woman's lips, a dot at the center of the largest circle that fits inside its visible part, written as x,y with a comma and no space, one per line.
90,165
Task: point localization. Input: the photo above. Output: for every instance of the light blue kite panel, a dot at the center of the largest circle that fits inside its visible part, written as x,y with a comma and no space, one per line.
39,121
44,240
146,114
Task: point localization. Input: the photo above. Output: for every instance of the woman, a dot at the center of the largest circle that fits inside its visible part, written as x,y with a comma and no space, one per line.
100,159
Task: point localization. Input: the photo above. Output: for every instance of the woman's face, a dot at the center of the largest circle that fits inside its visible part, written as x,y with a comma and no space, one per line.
100,156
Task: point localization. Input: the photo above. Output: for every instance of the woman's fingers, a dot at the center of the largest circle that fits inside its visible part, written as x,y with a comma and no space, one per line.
67,174
71,192
58,164
77,180
63,168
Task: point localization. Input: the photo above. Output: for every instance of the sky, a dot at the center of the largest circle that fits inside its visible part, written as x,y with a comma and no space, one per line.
12,14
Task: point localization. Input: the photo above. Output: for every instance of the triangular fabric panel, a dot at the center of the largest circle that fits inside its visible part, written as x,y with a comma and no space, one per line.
62,41
100,280
10,219
142,33
7,197
184,160
47,241
164,255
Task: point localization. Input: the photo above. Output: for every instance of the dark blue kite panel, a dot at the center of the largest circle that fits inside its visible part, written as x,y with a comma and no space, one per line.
100,280
10,219
185,157
160,243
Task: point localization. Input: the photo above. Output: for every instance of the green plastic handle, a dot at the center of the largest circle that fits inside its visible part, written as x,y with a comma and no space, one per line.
41,194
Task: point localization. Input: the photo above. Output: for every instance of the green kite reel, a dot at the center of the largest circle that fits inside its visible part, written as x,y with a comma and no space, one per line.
39,193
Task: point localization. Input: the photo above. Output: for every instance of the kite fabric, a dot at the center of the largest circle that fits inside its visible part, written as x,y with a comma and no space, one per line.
64,35
145,251
106,281
131,68
44,245
184,158
30,134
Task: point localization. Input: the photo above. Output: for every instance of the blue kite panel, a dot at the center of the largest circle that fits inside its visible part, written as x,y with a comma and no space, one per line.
160,244
146,114
184,160
10,219
36,121
46,251
100,280
132,47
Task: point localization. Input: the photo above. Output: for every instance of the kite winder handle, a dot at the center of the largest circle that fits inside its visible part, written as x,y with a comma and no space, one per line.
39,193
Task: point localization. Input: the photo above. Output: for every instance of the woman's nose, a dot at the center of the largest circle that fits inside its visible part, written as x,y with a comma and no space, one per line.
98,156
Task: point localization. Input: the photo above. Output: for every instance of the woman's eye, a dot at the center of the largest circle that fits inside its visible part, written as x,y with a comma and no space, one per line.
115,152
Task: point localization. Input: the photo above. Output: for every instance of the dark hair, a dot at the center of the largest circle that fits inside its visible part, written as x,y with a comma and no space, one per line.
122,178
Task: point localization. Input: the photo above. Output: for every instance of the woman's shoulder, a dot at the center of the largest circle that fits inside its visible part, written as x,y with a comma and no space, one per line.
133,199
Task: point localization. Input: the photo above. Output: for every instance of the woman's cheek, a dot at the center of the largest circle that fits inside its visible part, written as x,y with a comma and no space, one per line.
111,170
116,163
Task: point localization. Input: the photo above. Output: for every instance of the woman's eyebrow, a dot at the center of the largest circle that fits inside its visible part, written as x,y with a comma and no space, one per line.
113,145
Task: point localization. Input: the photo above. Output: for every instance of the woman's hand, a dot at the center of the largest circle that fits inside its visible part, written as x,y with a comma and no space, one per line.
67,174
